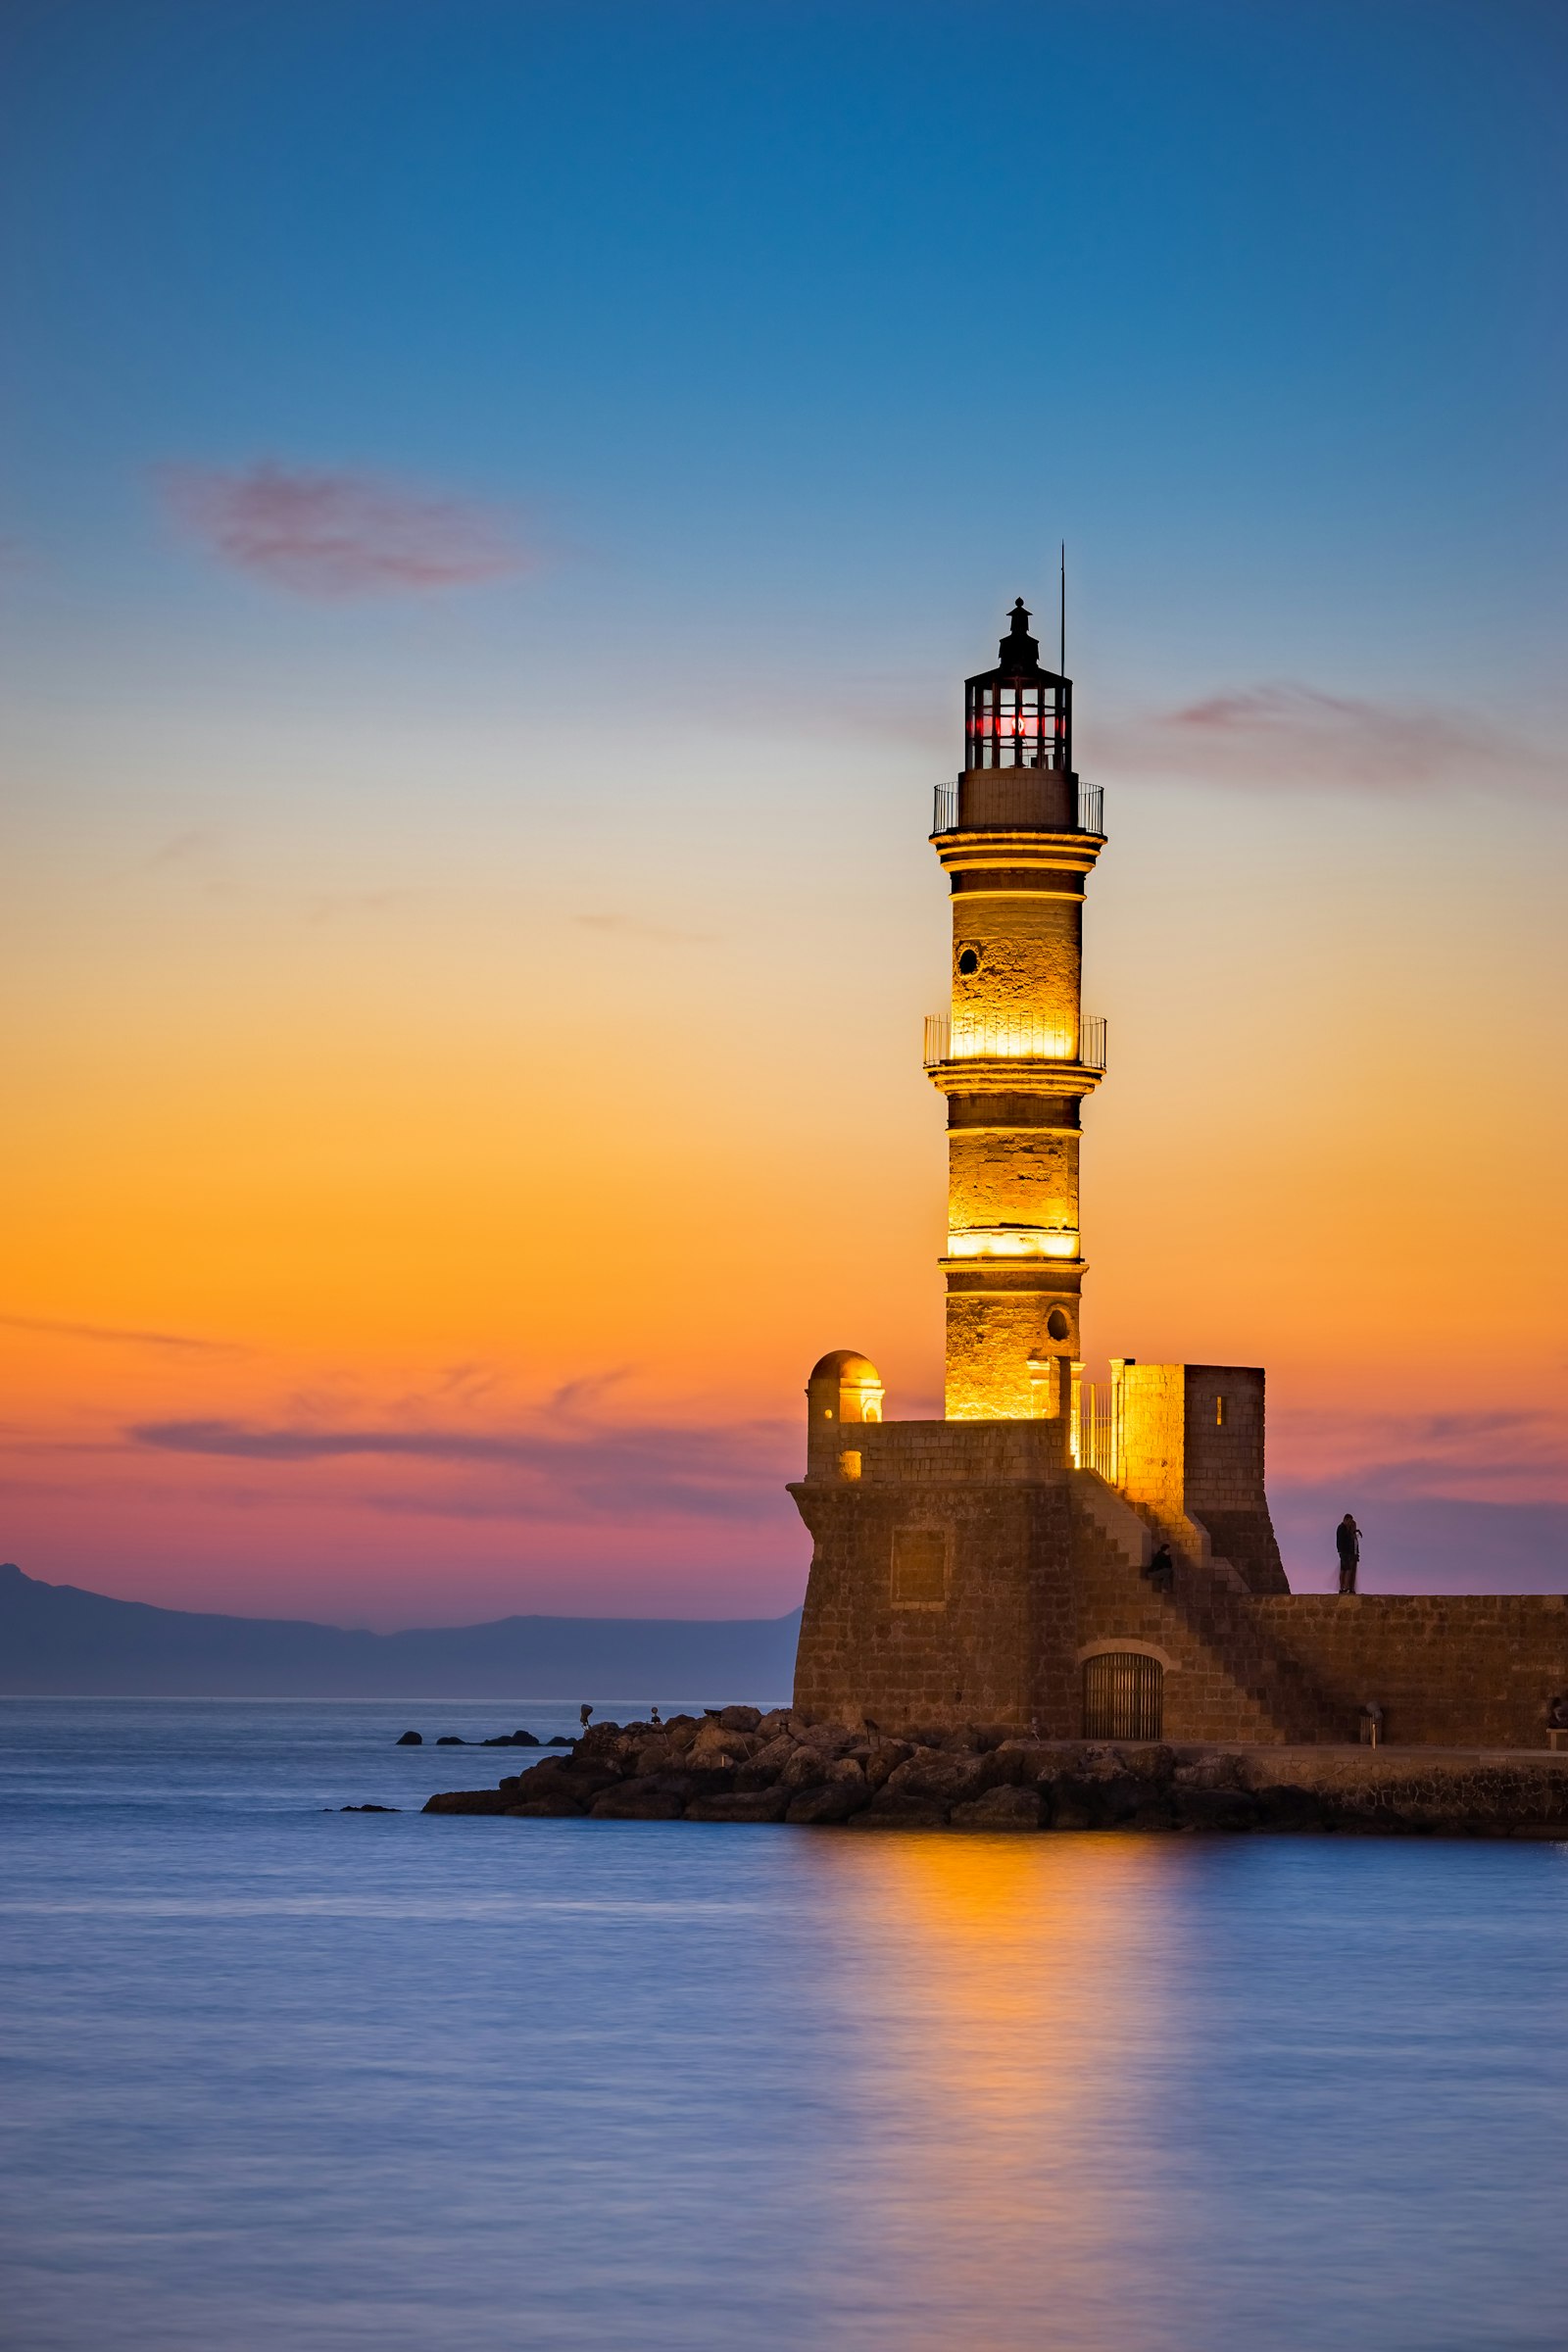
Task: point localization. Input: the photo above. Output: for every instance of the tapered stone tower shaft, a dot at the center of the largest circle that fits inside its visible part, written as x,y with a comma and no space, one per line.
1017,836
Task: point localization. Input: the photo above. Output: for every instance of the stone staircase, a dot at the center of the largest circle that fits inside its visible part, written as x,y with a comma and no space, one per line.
1207,1622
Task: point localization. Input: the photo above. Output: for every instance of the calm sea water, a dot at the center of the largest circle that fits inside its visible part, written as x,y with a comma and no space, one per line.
282,2077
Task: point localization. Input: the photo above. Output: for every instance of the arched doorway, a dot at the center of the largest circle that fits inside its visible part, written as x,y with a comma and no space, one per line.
1123,1695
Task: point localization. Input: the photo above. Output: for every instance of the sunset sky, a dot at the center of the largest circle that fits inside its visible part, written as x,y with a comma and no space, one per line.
498,500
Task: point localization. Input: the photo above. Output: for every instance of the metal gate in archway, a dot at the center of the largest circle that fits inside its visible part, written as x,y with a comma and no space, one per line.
1123,1695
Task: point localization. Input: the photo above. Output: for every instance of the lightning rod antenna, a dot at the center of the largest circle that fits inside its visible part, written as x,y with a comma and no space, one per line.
1062,656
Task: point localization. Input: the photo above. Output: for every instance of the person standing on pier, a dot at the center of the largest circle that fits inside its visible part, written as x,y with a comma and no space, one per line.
1347,1543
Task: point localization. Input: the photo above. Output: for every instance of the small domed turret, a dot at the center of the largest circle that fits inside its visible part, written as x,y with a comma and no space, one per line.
845,1387
844,1390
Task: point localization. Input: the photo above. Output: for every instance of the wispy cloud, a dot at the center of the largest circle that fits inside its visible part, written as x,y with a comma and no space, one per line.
1299,736
1515,1455
337,535
326,905
632,926
119,1338
561,1465
179,850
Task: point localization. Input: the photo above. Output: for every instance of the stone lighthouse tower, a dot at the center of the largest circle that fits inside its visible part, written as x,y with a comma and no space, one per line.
988,1567
1014,1056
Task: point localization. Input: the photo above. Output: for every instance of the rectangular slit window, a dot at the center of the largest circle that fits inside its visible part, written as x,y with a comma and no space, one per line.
1219,1412
920,1567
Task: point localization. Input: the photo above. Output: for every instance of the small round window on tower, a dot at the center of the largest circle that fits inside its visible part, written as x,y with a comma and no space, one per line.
1058,1324
969,961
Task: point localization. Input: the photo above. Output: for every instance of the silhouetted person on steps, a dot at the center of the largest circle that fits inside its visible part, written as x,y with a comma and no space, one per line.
1161,1570
1347,1543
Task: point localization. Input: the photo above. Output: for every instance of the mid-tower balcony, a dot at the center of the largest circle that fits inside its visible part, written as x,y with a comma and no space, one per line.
1018,800
978,1037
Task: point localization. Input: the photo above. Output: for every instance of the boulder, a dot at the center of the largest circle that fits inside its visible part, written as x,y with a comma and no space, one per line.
804,1768
830,1740
1210,1772
885,1758
559,1740
699,1788
714,1744
411,1740
370,1808
1024,1764
451,1739
940,1778
1000,1808
466,1800
1083,1801
740,1719
655,1798
888,1811
1216,1809
577,1782
835,1798
776,1720
740,1804
545,1808
599,1739
1290,1810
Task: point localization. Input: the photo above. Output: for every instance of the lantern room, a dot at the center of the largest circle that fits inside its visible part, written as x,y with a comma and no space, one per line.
1018,715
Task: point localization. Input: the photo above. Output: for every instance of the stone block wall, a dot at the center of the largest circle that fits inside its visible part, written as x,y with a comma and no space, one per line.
1028,947
999,1320
1192,1440
961,1573
1150,1403
940,1577
1449,1670
1222,1417
1224,1677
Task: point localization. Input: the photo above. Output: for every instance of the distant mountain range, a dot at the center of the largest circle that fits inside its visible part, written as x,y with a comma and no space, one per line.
56,1640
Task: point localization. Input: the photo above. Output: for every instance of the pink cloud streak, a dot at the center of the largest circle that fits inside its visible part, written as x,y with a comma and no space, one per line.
336,535
1295,735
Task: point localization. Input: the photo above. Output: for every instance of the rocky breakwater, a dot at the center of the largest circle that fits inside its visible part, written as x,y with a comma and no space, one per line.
737,1764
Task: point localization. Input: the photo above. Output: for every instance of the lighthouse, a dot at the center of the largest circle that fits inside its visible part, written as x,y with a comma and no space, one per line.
1014,1056
988,1568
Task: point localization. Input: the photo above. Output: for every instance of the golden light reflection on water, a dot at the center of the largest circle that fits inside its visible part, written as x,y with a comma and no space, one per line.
1012,2054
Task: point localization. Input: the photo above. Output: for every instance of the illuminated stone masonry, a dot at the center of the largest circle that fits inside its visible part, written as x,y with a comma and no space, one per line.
999,1565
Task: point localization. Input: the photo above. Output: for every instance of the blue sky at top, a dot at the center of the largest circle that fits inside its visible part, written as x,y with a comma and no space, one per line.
797,334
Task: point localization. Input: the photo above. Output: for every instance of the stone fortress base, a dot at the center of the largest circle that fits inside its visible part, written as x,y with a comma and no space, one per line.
967,1571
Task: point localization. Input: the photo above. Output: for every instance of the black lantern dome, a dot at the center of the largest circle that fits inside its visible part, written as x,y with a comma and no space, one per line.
1018,715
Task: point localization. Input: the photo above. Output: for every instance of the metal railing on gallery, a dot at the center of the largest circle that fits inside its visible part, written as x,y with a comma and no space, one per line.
1096,1433
1018,809
965,1037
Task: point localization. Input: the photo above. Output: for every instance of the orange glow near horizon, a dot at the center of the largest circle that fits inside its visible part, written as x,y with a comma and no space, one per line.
427,1248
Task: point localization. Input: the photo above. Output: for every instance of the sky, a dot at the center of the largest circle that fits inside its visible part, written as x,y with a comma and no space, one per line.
498,499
